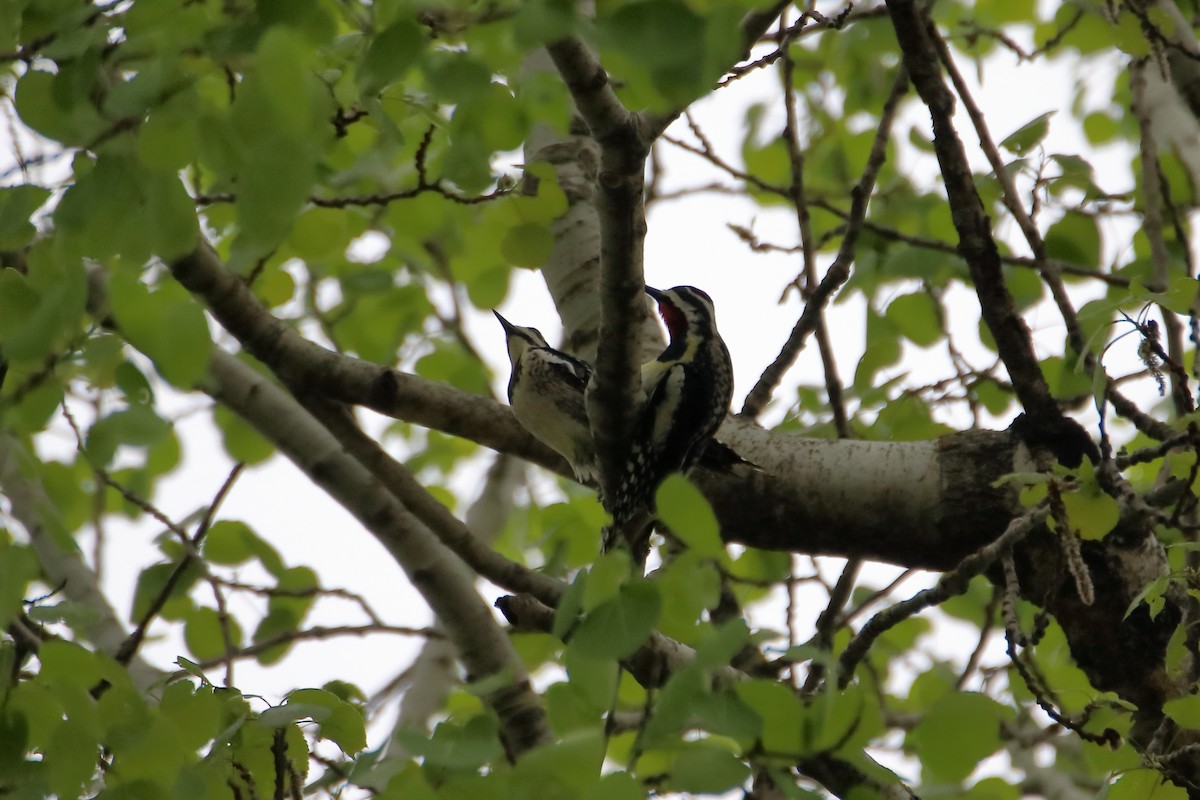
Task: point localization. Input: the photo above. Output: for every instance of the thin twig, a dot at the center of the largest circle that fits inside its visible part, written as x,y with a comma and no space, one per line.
839,271
791,137
132,642
949,584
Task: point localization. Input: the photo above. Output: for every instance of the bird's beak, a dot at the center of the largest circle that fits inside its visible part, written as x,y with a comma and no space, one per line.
508,326
655,293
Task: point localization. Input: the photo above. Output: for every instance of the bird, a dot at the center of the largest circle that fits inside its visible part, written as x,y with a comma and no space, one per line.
545,392
688,391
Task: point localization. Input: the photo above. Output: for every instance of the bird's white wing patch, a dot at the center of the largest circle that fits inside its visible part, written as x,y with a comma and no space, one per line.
667,395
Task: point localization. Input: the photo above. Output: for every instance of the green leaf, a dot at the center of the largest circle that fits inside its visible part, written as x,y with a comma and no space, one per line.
1144,784
456,746
40,310
228,542
136,426
673,708
917,317
959,730
190,667
320,233
70,757
242,442
68,664
605,578
488,288
1184,710
169,140
1153,595
705,768
120,207
1128,36
615,629
1028,135
847,719
167,325
1100,128
563,768
457,77
566,616
273,186
1077,173
1025,285
344,725
1063,379
196,712
450,363
540,22
17,207
204,633
725,714
971,604
1176,656
719,646
527,245
382,319
39,707
781,711
150,584
689,585
1092,514
882,349
281,67
688,514
52,107
594,679
992,789
1076,239
1180,296
18,566
391,53
637,30
145,748
617,786
568,709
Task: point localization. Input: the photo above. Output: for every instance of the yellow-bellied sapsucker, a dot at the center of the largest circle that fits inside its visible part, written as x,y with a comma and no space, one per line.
545,392
688,389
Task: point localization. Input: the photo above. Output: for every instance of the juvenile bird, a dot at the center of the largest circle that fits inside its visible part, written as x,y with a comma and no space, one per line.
545,392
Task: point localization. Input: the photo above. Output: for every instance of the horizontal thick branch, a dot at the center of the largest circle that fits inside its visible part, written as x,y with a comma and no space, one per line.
920,504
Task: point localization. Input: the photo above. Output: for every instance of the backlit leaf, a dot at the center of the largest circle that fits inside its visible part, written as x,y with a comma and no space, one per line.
958,731
689,516
619,626
1028,135
391,52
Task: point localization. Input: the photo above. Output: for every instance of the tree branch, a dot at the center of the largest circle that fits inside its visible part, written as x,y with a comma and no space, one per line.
624,144
949,584
300,362
63,566
839,271
978,248
429,678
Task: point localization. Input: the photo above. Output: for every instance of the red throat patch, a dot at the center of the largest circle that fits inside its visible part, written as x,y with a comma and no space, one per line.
673,317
